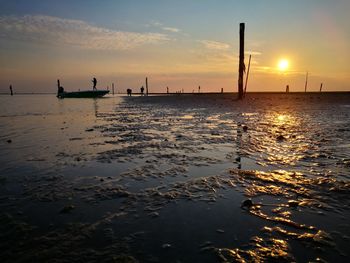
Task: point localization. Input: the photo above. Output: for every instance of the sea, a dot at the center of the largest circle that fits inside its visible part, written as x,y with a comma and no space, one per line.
175,178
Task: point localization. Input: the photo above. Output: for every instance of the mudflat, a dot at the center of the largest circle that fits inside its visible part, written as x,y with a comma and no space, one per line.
175,178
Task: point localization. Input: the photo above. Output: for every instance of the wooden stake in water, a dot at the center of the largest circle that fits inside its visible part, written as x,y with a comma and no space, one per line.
113,88
241,68
307,75
246,79
287,89
11,91
146,86
321,87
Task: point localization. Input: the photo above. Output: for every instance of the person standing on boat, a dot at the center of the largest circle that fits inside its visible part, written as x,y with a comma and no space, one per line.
94,82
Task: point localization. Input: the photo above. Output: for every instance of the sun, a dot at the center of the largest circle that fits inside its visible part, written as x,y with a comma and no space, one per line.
283,64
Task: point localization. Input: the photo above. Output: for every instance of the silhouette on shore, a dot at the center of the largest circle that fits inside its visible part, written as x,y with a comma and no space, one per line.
142,90
60,89
129,91
94,82
11,91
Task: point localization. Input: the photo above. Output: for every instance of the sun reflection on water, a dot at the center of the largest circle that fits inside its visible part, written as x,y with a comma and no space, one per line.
278,138
281,118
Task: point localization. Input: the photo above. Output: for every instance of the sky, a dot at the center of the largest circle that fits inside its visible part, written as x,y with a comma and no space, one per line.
178,44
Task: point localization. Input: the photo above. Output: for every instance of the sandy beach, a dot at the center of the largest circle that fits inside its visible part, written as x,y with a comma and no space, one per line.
183,178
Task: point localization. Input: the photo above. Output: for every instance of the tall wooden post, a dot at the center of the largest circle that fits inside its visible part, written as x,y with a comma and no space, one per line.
146,86
241,68
321,87
307,75
113,88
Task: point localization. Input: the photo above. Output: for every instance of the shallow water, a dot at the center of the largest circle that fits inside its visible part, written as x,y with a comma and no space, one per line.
162,179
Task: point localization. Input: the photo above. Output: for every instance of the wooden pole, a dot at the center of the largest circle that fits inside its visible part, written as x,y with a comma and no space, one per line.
321,87
241,68
287,89
246,79
146,86
307,75
113,88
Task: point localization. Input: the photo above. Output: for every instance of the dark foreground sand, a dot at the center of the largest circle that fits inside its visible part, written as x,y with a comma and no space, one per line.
163,179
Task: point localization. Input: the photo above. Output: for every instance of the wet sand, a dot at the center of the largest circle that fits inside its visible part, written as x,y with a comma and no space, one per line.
163,179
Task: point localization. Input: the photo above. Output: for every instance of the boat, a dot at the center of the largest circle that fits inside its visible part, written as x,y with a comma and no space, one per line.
94,93
82,94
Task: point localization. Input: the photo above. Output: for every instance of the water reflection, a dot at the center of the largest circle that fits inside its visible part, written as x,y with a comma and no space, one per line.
281,118
48,132
159,156
263,250
239,147
95,103
278,138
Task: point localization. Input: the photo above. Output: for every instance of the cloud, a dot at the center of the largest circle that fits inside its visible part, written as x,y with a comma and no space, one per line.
171,29
214,45
77,33
156,23
163,27
253,53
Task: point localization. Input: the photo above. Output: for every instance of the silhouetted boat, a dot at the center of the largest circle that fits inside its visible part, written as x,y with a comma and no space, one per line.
94,93
82,94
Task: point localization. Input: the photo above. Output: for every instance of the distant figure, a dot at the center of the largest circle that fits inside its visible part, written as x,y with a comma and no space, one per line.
94,82
199,89
142,90
321,87
129,91
167,89
60,89
222,90
11,91
287,89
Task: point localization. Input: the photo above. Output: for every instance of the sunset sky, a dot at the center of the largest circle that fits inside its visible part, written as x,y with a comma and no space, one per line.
180,44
